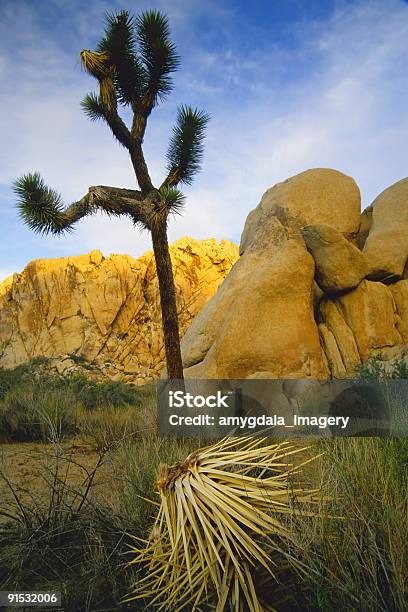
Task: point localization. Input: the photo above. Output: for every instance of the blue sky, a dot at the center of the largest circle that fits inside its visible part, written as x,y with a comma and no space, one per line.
290,85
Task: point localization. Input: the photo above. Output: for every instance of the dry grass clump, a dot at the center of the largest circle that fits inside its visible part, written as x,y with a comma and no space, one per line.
360,562
220,519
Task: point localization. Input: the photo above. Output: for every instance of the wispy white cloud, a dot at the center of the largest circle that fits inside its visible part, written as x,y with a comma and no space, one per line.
346,108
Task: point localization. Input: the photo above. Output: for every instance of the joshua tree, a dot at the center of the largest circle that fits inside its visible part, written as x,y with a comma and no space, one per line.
133,64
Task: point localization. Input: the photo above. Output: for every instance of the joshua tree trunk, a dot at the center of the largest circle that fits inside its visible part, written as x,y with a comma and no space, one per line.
167,301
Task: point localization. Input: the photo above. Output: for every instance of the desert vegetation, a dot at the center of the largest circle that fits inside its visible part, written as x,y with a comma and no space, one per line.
93,453
357,548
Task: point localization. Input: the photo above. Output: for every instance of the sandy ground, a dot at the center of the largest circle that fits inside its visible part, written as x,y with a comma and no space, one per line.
27,468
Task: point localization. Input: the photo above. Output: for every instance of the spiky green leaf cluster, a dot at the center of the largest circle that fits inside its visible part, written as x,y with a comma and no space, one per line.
186,145
119,43
173,199
40,206
93,107
158,54
142,56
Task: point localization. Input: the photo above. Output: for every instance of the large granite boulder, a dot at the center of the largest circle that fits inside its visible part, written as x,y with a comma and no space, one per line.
261,321
386,247
319,195
340,266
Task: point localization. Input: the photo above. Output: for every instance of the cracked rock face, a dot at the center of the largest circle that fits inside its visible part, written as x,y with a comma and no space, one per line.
105,310
372,319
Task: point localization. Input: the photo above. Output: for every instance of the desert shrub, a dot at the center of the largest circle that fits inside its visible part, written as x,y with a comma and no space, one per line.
135,465
400,369
29,412
109,426
27,372
94,394
39,406
91,392
40,360
11,378
63,540
376,369
79,359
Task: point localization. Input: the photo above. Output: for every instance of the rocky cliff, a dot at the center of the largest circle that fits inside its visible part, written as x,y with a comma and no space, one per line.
318,289
105,310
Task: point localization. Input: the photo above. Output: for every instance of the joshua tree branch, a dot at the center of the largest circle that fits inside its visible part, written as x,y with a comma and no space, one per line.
119,128
113,201
117,201
42,209
138,124
140,168
171,180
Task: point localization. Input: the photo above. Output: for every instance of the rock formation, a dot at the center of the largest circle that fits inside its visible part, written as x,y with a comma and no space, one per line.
105,310
304,300
362,323
319,288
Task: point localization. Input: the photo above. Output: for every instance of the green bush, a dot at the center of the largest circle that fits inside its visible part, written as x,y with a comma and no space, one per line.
40,406
136,463
97,394
28,412
376,369
11,378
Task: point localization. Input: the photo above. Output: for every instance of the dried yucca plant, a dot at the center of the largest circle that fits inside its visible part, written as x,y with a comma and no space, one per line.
220,519
100,67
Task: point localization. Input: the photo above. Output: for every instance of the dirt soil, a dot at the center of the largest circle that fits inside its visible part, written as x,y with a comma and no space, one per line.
27,468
